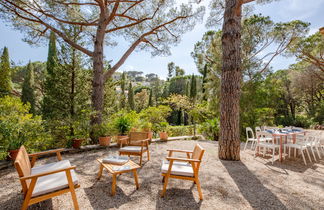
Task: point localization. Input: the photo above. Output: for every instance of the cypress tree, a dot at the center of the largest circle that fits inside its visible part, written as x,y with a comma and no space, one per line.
123,88
193,88
49,86
5,74
204,81
150,103
188,88
28,94
131,101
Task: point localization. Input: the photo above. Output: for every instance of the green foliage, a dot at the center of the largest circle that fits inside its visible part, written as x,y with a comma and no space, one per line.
28,93
155,115
150,103
162,127
5,73
123,121
181,130
19,127
210,129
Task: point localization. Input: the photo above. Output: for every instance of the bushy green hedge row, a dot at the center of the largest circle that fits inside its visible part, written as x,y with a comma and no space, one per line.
187,130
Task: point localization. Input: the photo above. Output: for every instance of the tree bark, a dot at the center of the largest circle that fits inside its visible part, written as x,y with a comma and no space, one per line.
98,79
229,143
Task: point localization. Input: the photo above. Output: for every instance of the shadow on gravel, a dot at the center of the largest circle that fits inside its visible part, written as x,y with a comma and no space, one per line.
251,188
177,199
16,200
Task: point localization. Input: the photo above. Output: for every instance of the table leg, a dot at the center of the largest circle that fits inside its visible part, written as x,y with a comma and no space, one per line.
113,187
136,178
280,150
100,171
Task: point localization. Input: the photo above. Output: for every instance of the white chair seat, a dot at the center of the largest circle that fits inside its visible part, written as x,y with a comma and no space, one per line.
132,149
52,182
178,168
297,146
270,145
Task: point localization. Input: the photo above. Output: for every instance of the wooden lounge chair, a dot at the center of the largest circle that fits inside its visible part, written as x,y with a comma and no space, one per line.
46,181
137,144
183,168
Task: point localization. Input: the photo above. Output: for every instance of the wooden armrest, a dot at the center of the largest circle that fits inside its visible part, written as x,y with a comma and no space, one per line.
48,173
179,150
46,152
183,159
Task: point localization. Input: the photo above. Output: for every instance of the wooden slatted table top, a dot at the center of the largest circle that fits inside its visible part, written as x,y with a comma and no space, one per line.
109,167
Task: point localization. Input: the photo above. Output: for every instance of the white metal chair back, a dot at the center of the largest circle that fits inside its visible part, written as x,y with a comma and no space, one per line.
249,130
257,129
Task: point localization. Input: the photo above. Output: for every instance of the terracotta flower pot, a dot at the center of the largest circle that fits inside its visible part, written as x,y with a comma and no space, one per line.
104,141
150,135
164,136
13,154
77,143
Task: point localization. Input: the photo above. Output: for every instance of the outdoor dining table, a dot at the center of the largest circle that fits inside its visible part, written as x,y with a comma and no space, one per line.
284,135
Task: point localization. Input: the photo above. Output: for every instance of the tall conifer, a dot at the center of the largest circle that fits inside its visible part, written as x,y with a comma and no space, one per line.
28,92
131,101
5,74
193,88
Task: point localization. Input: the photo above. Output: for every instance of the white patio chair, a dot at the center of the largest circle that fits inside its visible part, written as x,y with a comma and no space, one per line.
251,139
263,142
302,143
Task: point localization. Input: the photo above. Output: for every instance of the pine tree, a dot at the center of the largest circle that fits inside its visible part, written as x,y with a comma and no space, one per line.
131,101
28,92
5,74
193,88
150,103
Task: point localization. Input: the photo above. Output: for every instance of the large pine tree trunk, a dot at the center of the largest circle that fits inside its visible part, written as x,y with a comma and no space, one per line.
229,144
97,96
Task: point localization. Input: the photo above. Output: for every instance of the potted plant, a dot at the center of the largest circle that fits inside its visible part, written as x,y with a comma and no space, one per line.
103,132
81,132
163,131
123,125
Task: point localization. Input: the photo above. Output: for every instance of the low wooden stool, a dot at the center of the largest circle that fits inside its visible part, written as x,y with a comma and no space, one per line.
109,167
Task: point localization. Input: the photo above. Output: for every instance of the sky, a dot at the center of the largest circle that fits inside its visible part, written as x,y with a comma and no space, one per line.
311,11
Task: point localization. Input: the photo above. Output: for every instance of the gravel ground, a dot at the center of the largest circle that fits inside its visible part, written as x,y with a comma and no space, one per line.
252,183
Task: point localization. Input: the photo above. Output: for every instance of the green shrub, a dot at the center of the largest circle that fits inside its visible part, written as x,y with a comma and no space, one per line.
181,130
210,129
18,127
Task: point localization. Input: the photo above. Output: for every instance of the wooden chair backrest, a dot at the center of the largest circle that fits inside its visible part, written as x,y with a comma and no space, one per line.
197,154
135,136
23,166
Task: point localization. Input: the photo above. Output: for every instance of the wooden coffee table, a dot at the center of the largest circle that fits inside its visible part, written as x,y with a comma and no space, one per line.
109,167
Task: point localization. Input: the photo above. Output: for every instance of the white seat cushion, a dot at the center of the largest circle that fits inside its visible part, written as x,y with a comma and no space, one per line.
178,168
52,182
131,149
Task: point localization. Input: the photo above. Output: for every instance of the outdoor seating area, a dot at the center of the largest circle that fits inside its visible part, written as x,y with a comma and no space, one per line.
281,141
225,184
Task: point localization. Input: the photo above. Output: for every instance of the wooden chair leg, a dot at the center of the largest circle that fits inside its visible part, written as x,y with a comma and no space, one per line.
199,188
141,157
148,155
72,190
163,179
166,179
29,194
